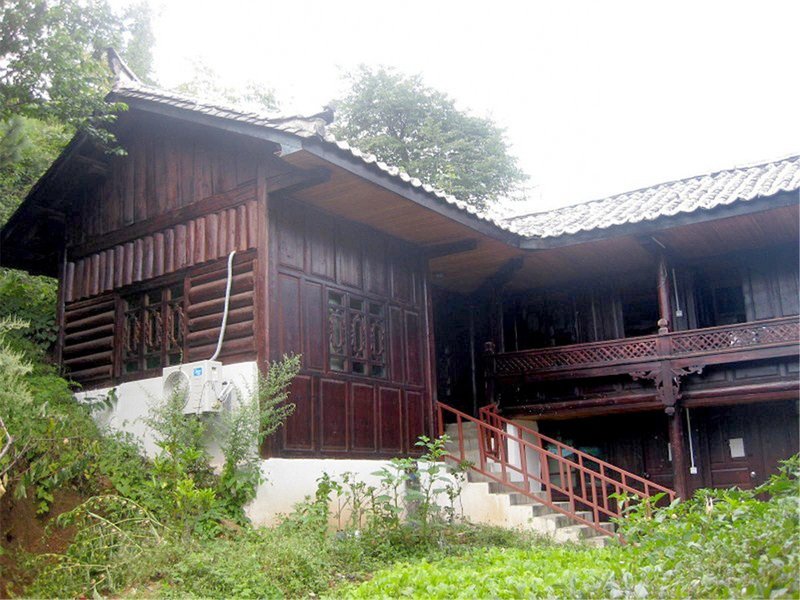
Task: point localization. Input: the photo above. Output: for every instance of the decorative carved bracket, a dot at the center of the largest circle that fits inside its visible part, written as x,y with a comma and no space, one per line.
668,383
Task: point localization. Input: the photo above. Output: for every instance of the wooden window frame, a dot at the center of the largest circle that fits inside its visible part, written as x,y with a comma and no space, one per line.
166,285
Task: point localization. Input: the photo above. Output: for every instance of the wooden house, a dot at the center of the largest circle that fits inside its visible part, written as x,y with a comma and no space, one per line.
656,329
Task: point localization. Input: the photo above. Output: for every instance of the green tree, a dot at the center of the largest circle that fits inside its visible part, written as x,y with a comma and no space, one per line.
51,63
410,125
139,40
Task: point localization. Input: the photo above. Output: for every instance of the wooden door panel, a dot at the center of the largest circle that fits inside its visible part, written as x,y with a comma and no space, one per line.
727,429
363,417
289,311
415,417
391,424
314,343
333,414
413,348
299,429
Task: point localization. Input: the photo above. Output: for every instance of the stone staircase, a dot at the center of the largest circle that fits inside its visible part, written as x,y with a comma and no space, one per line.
493,503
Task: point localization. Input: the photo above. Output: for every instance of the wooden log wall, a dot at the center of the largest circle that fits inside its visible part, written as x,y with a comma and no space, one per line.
89,339
189,243
91,328
204,307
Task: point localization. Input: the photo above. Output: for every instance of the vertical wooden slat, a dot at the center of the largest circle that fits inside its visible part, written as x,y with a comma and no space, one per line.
179,247
241,228
147,267
109,269
152,149
199,240
119,266
169,251
101,275
222,230
138,259
212,237
186,174
94,287
158,254
127,268
139,180
125,164
69,280
172,174
190,243
202,171
252,224
231,230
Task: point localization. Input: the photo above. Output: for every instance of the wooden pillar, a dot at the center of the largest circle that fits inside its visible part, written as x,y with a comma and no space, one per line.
678,454
488,377
262,300
501,333
61,307
664,305
473,360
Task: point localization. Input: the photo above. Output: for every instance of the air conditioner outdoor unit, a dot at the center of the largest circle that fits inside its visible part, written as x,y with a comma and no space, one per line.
199,383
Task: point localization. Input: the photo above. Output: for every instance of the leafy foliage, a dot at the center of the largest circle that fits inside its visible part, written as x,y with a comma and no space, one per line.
415,127
720,544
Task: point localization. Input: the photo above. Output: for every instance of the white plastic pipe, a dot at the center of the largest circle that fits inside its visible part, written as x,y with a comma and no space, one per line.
225,309
693,467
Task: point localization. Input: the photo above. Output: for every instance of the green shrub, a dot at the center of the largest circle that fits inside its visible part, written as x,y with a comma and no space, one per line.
720,544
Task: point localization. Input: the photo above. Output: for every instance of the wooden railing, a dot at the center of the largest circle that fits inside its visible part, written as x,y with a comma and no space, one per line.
729,343
548,471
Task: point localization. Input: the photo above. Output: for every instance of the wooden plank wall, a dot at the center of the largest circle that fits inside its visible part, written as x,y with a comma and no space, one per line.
166,167
342,414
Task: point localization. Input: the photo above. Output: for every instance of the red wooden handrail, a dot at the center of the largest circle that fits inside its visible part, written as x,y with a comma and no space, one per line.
648,348
585,488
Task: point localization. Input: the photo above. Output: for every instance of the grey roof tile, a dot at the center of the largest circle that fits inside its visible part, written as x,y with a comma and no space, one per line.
702,192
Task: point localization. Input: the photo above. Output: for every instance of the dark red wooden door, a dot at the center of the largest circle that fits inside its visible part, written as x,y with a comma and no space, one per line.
743,445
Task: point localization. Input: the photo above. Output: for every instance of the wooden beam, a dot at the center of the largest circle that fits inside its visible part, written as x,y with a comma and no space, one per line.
500,278
458,247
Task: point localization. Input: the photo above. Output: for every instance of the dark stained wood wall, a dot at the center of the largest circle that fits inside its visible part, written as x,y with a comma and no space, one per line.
166,167
342,413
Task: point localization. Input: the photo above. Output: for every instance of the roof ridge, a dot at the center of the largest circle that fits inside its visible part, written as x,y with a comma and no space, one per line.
753,165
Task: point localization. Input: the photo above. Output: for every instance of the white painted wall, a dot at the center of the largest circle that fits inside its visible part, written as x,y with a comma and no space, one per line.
136,398
287,481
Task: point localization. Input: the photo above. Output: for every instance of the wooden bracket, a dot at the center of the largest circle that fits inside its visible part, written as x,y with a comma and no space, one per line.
667,381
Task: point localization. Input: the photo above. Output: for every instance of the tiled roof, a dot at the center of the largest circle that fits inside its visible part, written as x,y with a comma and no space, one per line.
303,127
702,192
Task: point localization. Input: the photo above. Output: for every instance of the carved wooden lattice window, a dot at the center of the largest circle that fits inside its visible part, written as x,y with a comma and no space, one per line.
356,335
152,329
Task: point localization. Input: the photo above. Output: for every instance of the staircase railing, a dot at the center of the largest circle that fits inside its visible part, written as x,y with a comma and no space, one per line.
548,471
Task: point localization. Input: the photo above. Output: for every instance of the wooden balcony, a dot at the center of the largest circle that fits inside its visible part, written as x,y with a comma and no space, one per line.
691,350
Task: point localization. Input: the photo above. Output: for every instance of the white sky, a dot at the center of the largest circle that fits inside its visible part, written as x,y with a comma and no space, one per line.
596,97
